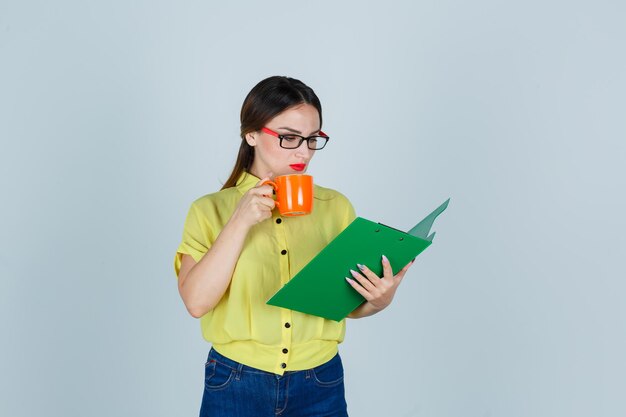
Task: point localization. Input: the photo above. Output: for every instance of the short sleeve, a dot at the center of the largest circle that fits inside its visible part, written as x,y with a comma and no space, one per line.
197,237
344,209
350,214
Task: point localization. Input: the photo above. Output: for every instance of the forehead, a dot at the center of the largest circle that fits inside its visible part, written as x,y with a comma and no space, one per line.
303,117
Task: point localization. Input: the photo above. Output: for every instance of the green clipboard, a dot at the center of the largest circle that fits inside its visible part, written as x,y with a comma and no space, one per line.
320,288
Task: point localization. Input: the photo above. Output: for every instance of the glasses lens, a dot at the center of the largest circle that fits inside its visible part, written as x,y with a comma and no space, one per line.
317,142
290,141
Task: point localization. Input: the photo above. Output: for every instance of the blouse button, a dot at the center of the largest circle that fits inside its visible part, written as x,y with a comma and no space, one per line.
285,350
287,325
279,220
283,365
283,252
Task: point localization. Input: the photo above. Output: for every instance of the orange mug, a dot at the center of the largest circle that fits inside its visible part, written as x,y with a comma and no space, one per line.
294,194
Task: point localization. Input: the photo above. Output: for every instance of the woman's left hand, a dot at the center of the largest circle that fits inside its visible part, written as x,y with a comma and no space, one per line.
378,291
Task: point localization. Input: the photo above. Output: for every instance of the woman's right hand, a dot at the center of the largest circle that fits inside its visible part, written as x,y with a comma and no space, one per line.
256,205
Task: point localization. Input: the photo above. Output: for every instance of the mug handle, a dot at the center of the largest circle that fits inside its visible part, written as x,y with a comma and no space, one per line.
274,186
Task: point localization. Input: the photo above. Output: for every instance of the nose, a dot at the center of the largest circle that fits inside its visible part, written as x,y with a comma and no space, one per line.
303,151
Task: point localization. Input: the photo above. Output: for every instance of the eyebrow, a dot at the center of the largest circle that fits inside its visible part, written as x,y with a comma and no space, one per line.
297,131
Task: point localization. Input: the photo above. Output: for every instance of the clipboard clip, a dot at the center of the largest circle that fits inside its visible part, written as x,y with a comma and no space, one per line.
389,227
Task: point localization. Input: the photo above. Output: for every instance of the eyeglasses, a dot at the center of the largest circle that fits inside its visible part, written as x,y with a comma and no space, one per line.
292,141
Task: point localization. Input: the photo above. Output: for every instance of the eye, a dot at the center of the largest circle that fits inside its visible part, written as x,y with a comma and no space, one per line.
290,138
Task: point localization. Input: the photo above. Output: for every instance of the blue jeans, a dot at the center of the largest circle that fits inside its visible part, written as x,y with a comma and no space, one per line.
232,389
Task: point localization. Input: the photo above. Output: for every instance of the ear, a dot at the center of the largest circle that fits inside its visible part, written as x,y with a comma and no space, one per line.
251,139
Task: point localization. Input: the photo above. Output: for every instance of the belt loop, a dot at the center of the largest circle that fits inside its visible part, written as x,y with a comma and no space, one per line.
238,372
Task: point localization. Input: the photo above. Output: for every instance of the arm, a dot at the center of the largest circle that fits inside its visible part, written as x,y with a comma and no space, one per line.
377,291
201,285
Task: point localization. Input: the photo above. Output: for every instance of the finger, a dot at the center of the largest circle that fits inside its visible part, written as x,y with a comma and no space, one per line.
387,271
365,282
265,190
406,267
262,216
360,289
263,213
371,276
267,202
400,276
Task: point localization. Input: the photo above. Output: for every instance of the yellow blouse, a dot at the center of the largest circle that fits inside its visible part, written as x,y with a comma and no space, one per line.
242,326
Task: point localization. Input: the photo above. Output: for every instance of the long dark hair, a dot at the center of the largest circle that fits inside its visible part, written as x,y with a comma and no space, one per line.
265,101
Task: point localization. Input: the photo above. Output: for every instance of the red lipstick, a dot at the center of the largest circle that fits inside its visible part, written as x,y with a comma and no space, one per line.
298,167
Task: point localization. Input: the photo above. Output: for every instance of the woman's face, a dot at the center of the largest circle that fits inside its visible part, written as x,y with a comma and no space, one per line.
269,157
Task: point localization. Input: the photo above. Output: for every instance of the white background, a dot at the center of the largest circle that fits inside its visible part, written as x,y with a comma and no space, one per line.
115,115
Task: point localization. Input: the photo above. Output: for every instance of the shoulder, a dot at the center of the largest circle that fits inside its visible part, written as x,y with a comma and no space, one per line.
330,200
211,204
328,194
335,208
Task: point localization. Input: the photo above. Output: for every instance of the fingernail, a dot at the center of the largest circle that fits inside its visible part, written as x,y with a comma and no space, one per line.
385,259
361,267
354,273
348,279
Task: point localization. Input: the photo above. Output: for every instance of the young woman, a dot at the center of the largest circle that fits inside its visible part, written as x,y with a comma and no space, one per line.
237,251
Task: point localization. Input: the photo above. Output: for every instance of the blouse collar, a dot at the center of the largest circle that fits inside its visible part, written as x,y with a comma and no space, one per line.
246,181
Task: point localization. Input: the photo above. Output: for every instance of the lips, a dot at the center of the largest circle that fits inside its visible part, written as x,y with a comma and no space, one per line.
298,167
